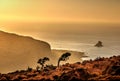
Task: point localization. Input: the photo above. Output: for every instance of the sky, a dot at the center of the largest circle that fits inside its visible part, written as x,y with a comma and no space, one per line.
15,14
72,24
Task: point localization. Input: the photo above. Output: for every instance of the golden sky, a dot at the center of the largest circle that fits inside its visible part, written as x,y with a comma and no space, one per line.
60,10
16,14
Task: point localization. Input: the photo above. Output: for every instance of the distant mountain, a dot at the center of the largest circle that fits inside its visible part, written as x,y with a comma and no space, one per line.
19,52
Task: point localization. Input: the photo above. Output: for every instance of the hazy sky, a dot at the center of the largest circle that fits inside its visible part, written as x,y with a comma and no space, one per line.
13,13
60,10
57,21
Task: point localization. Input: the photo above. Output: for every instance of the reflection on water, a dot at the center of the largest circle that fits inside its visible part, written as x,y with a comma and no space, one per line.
77,37
111,47
83,43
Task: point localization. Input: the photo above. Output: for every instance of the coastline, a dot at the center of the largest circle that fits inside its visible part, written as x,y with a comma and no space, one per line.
76,56
59,52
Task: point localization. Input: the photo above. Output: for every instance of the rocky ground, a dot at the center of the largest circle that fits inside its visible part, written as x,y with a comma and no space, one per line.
95,70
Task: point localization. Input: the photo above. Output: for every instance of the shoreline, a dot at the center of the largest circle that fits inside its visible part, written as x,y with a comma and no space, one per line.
76,56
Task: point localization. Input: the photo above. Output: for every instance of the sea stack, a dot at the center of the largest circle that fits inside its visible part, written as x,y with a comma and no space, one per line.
99,44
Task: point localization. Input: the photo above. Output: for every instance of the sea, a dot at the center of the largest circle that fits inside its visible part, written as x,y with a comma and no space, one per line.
111,45
79,37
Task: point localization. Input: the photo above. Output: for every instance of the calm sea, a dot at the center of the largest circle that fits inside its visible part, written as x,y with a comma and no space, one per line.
80,37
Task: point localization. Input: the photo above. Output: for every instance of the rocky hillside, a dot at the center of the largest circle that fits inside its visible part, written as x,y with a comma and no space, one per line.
98,69
19,52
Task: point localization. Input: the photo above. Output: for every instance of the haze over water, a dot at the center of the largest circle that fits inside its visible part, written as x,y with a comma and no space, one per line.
77,37
66,24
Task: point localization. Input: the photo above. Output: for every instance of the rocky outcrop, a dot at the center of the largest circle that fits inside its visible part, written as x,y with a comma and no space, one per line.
99,44
19,52
100,69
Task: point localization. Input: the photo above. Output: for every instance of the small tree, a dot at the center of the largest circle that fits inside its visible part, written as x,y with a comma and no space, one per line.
42,61
64,57
37,68
29,69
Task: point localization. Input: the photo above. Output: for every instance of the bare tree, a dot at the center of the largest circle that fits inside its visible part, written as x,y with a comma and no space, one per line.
64,57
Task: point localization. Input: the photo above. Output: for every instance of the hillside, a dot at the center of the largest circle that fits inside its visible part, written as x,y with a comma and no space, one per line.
97,70
18,52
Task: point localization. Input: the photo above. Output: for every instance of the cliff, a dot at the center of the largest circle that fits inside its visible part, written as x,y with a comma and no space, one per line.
19,52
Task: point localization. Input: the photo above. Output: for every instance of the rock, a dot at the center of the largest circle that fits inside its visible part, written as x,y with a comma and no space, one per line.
99,44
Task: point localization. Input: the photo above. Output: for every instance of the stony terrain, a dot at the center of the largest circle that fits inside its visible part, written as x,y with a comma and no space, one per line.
95,70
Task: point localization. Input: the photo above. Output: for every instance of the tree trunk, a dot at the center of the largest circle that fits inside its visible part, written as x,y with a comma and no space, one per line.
58,63
42,67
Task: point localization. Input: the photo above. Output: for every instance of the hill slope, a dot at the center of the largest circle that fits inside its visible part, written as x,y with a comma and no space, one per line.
19,52
95,70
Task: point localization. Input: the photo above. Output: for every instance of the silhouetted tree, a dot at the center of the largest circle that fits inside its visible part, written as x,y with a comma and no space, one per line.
64,57
42,61
29,69
37,68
